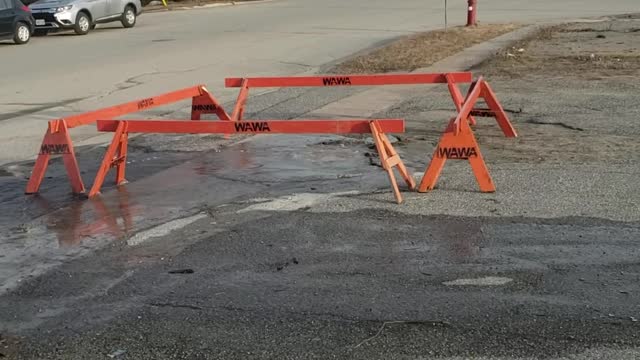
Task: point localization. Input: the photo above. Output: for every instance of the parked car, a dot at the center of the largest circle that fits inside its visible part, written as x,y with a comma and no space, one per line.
83,15
16,21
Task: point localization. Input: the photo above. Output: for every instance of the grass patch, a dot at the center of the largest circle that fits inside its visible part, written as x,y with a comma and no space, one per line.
422,50
530,56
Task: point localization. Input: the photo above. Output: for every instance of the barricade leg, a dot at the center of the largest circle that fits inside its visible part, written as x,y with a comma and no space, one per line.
389,159
116,156
122,159
498,112
456,95
481,89
205,103
238,110
457,146
56,142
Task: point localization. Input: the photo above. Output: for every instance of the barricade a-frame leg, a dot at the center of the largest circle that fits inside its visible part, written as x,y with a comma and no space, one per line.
496,109
206,103
456,95
460,145
480,89
115,156
243,94
56,142
389,159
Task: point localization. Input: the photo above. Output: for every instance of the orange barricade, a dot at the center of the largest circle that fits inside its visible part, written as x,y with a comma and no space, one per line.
57,140
458,141
116,153
388,156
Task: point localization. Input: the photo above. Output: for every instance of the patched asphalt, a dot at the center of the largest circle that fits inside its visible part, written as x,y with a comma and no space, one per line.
362,284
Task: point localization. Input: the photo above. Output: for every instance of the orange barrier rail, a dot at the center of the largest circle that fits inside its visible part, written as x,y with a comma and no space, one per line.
350,80
343,80
57,140
262,126
116,153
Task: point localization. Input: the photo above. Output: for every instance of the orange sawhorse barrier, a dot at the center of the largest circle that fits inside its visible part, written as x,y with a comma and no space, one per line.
464,107
116,153
458,141
57,140
388,156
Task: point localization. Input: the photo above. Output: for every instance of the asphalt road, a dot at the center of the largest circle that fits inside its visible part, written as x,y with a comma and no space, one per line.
275,264
366,284
63,74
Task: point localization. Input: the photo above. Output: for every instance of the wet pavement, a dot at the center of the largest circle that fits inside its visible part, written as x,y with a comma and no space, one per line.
55,226
171,176
363,284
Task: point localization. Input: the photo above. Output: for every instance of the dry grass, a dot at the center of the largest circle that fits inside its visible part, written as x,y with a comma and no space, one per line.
421,50
527,57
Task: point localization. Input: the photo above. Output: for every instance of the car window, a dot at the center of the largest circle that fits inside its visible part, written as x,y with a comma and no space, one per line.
5,4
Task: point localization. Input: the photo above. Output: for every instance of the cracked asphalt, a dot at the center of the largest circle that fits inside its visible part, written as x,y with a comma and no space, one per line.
308,285
293,248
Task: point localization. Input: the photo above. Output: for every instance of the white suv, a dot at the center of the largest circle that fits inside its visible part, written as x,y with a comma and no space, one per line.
82,15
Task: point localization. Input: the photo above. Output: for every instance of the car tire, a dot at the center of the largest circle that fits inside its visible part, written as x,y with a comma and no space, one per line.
22,33
129,17
83,24
40,32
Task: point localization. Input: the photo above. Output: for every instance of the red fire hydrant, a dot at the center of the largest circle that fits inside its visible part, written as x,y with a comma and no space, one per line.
472,13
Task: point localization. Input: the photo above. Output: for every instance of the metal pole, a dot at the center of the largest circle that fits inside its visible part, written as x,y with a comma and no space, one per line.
446,19
472,13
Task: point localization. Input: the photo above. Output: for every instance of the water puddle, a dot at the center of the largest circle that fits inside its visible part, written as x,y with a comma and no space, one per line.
42,231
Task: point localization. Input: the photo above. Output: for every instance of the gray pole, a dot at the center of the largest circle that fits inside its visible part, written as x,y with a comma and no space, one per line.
446,22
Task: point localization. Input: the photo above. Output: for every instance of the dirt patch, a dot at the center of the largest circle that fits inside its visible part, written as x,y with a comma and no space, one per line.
569,90
584,50
8,346
421,50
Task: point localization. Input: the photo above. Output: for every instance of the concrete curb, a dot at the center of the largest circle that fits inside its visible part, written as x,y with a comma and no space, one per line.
370,102
160,8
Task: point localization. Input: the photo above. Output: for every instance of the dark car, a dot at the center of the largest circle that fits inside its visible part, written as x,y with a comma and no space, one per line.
16,21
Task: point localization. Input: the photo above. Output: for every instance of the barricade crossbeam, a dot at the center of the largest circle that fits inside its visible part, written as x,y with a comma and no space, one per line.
261,126
116,154
350,80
